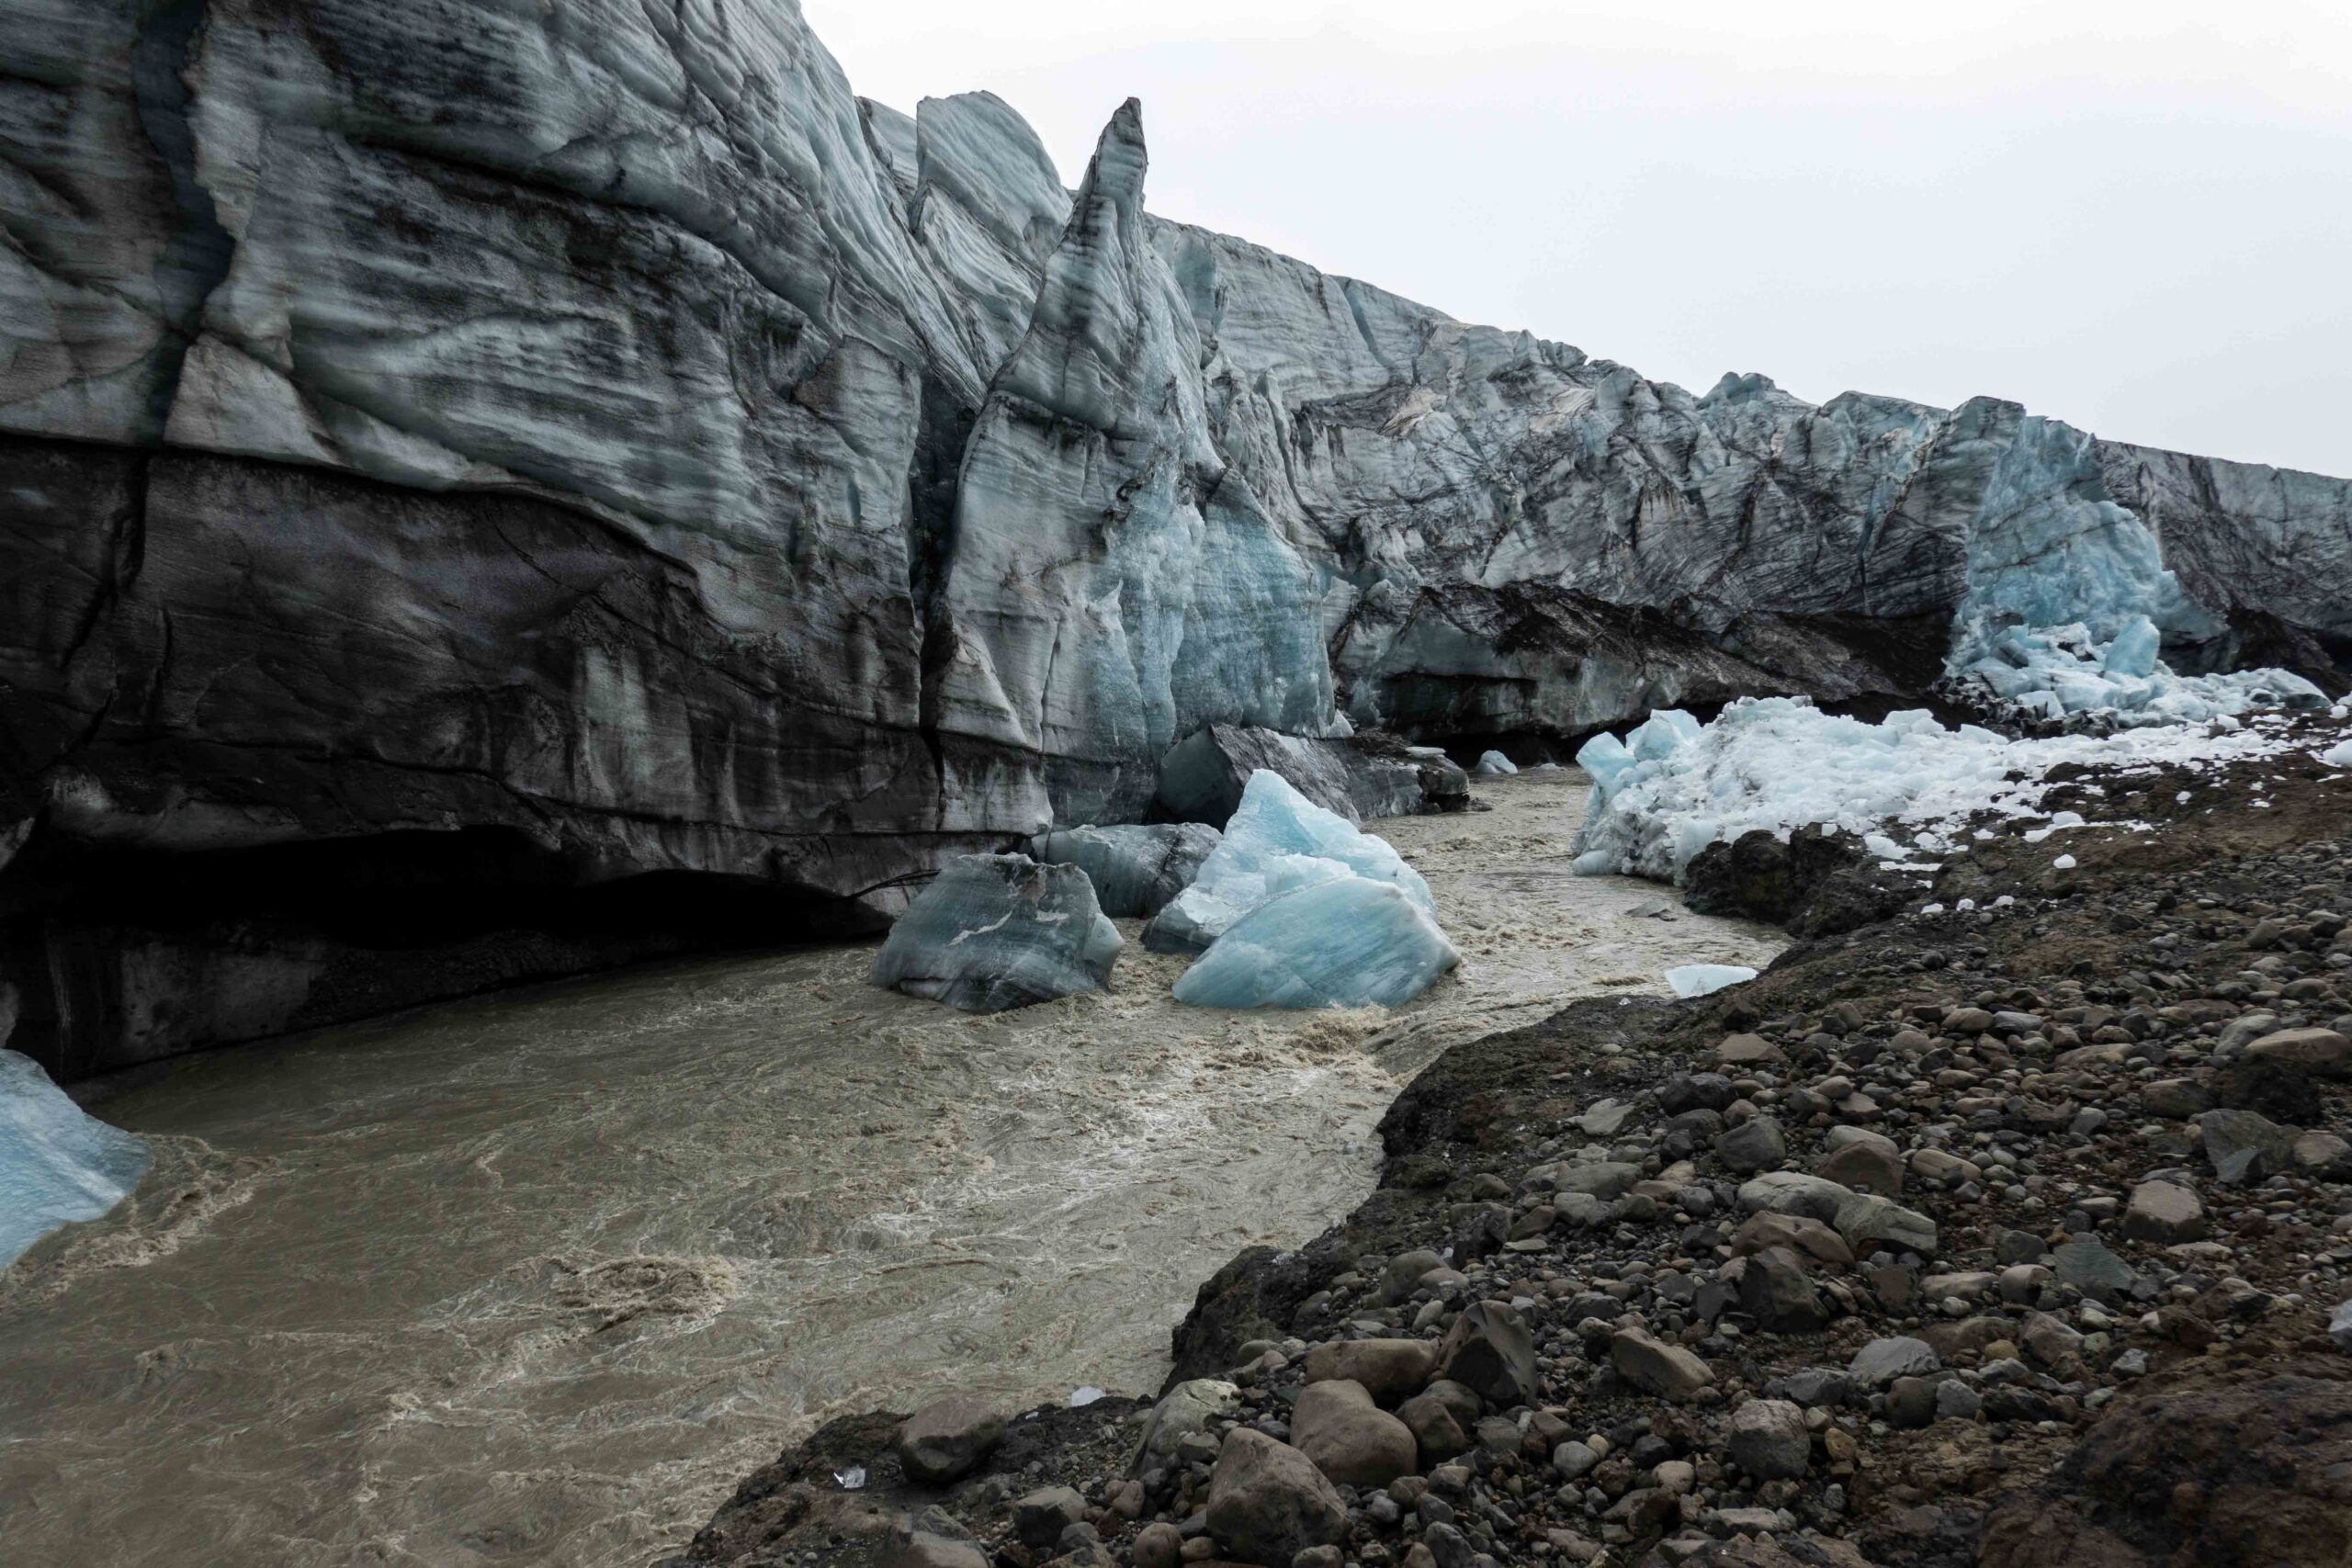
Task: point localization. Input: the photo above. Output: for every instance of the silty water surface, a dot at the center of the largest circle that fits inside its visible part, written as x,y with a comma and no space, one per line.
533,1279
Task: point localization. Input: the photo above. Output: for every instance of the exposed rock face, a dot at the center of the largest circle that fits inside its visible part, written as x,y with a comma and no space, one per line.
598,433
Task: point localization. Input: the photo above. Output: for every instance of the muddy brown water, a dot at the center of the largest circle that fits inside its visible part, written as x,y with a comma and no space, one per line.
532,1279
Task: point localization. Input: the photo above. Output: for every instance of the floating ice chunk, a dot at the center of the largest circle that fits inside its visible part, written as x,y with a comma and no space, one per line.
1493,764
58,1164
1706,979
1349,942
1084,1396
1273,823
998,932
2337,756
1135,869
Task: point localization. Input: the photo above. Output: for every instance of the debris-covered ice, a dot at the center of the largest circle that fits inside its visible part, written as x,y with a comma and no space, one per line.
1349,941
1137,868
1493,764
1778,764
998,932
58,1164
1277,841
1706,980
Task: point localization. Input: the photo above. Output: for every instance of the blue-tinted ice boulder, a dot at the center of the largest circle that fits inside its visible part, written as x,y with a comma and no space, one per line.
1607,759
1493,764
1706,980
2133,654
1346,942
1136,868
1662,734
57,1163
998,932
1274,828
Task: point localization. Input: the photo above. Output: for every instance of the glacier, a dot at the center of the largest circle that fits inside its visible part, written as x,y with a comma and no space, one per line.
1341,942
538,458
58,1164
994,932
1277,841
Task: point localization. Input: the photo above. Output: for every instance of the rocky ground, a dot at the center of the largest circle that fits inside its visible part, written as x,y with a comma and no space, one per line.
2002,1229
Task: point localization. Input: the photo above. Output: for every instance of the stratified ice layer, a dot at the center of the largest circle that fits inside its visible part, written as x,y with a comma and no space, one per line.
1135,869
1277,840
998,932
1347,941
1779,763
57,1164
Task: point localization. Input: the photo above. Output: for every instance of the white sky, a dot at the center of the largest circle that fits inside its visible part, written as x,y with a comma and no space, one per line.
2133,216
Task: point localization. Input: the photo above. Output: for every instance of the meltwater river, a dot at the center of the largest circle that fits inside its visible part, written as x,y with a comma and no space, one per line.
528,1279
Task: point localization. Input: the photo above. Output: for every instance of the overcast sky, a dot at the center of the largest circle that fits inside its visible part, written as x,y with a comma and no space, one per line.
2137,217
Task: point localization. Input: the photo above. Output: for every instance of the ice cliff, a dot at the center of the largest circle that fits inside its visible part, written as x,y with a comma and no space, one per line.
486,483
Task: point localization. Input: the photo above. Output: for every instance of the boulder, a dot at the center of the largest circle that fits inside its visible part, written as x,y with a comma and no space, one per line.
1751,1146
1768,1439
1437,1426
2164,1213
930,1539
2087,1264
1655,1367
1775,1291
1490,1352
1187,1408
2244,1148
947,1438
1388,1368
1810,1238
1040,1516
1865,1165
1268,1503
1348,1437
2322,1051
1880,1361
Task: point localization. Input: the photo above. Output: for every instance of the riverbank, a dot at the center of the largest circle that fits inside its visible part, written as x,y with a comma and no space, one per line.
2004,1231
533,1278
